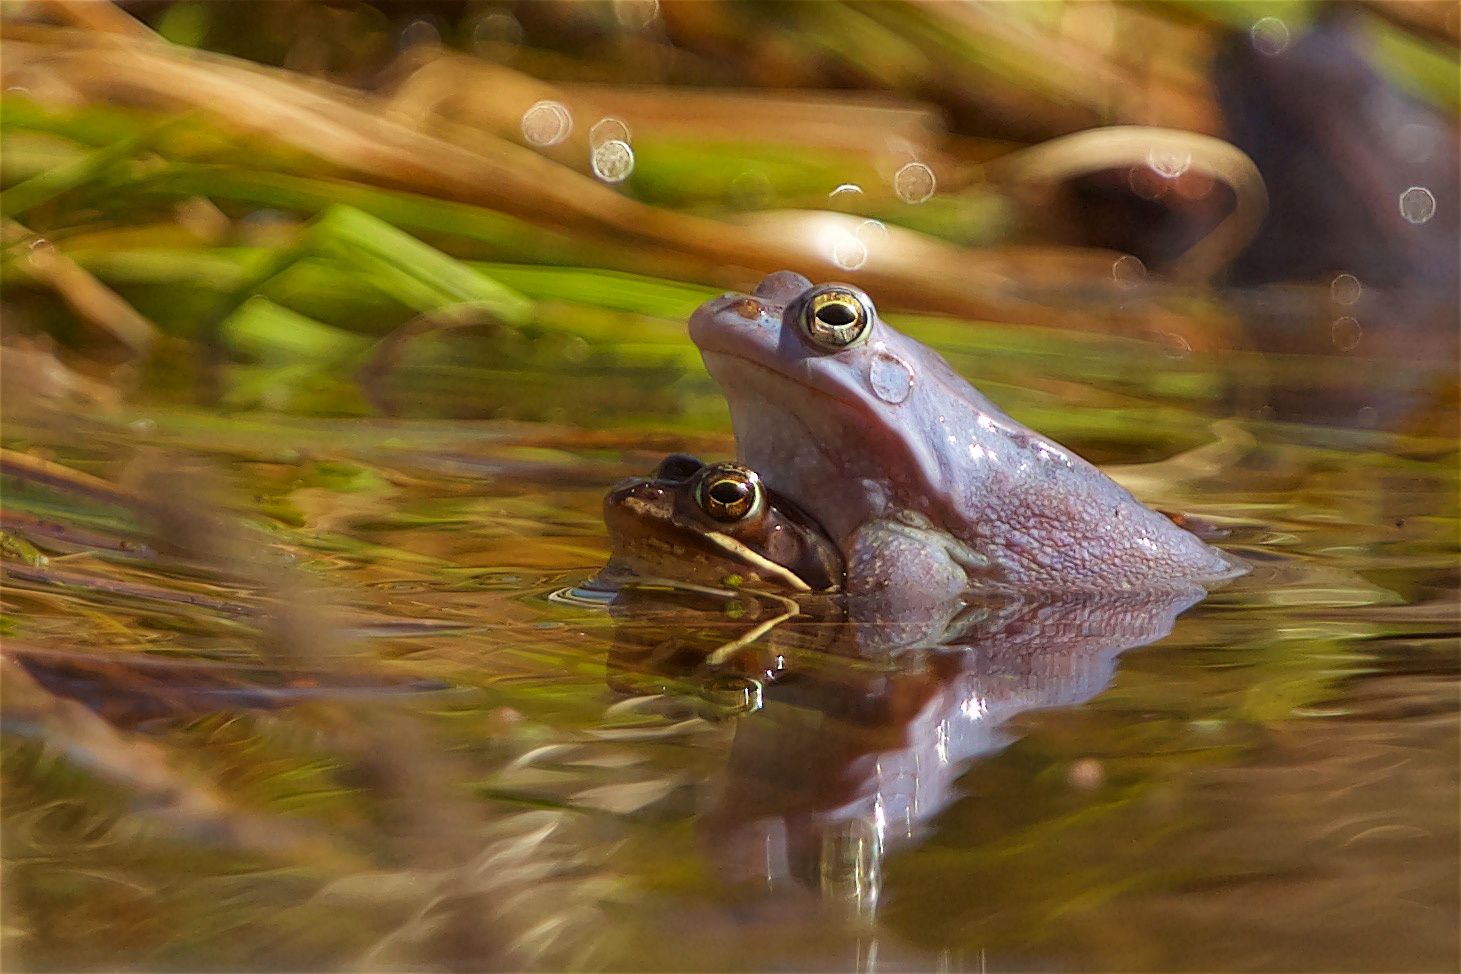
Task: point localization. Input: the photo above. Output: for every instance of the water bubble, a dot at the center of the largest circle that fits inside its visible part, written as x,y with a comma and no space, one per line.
495,28
1345,333
547,123
870,231
1270,36
848,252
636,14
751,190
1087,774
613,161
40,255
420,31
1417,204
845,188
1128,271
576,349
914,183
890,377
1146,182
1168,163
1174,346
609,130
1345,289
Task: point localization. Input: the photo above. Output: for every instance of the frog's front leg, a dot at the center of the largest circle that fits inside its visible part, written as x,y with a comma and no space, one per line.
904,577
899,555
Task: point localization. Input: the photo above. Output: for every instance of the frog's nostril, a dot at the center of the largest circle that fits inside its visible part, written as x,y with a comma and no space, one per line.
748,308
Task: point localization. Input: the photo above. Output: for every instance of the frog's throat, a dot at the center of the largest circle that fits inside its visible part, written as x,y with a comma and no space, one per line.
788,408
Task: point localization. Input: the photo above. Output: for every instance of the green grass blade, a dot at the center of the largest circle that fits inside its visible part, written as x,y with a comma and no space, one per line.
411,271
270,333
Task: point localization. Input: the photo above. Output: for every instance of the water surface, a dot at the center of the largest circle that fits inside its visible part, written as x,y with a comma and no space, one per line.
309,693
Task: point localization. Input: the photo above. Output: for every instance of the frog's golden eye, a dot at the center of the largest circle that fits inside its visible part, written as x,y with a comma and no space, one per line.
730,492
836,316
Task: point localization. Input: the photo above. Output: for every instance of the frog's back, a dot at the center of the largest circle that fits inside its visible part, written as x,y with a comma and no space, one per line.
1039,515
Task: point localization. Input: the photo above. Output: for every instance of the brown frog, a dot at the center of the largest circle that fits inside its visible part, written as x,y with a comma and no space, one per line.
718,524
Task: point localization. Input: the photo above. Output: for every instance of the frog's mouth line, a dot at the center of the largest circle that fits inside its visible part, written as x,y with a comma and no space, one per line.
719,553
760,371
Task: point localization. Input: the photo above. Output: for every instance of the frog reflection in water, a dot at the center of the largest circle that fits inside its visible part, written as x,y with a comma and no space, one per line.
717,524
928,489
849,748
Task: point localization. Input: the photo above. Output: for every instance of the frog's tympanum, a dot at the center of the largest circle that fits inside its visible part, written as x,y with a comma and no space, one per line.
924,484
717,524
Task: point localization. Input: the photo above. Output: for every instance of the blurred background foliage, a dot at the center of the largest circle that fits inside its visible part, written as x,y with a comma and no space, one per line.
453,209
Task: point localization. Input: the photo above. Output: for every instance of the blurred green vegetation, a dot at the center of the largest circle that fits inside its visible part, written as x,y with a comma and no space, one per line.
284,268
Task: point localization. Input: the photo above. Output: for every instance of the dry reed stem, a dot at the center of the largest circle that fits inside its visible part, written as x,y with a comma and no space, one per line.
56,476
1128,146
348,130
354,132
92,300
104,17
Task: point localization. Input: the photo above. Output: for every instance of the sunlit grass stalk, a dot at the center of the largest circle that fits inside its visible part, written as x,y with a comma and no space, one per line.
89,168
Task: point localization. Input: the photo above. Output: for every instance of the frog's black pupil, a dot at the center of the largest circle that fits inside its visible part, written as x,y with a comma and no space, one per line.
728,491
837,314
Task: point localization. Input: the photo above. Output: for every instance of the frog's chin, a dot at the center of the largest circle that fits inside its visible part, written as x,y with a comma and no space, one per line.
744,378
797,438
